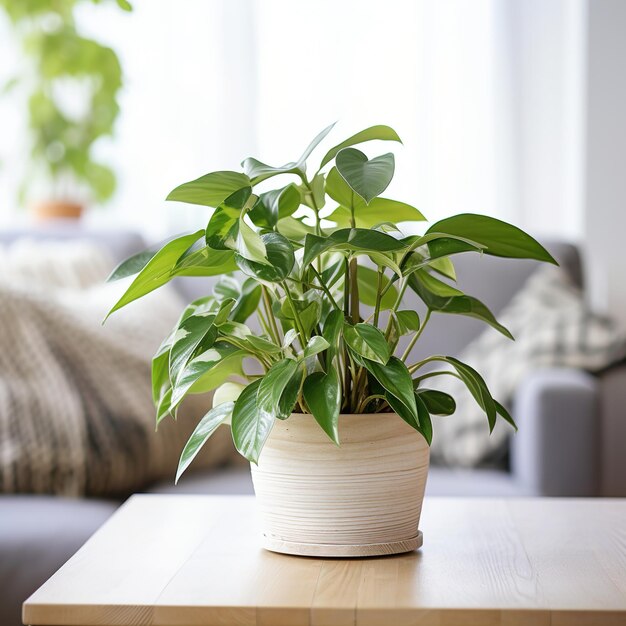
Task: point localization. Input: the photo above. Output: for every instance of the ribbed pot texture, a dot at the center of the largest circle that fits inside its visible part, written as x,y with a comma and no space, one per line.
363,498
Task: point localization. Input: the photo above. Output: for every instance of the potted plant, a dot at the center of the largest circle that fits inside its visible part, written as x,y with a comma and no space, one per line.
70,84
336,419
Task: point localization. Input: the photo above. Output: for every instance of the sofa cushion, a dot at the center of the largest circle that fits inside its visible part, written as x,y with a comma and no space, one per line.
37,535
76,410
553,327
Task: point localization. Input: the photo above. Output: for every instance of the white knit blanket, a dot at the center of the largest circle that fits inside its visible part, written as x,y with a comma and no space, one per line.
76,416
553,327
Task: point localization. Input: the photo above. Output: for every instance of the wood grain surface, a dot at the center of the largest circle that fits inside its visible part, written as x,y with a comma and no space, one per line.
197,560
361,499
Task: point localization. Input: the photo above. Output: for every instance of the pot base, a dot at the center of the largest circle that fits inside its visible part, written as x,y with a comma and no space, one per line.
342,551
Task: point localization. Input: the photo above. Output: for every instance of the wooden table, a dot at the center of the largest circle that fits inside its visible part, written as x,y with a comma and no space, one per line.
196,560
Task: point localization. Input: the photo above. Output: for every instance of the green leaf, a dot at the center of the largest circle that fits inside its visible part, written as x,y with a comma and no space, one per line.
402,410
332,329
440,245
505,414
132,265
250,427
263,345
272,386
124,5
385,133
226,287
436,286
322,393
501,239
295,229
339,190
425,423
396,379
382,259
158,270
354,239
163,405
444,266
408,321
369,215
458,305
367,341
208,374
367,280
289,396
193,333
223,228
315,345
249,244
211,189
275,205
280,257
475,385
259,171
290,336
160,374
308,307
225,307
204,261
437,402
227,392
247,301
207,426
367,178
235,329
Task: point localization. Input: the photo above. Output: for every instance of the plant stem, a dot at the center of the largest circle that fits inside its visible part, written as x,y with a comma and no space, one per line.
296,315
354,291
354,284
416,336
346,313
378,295
270,314
367,400
325,289
436,373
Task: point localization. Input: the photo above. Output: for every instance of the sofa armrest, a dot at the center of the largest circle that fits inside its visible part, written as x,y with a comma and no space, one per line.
613,431
555,452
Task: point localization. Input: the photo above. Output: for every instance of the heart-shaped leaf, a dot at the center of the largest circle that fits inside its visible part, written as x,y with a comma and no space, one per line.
367,178
280,257
322,393
367,341
381,132
275,205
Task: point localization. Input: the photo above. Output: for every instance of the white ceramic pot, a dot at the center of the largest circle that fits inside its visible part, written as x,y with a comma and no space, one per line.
363,498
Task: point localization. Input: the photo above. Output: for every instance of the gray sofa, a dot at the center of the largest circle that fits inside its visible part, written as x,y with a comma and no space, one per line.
38,533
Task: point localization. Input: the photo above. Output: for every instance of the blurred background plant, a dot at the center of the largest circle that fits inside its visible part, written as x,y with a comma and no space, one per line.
70,85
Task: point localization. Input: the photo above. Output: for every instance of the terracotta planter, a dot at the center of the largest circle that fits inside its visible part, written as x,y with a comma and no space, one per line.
363,498
46,210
